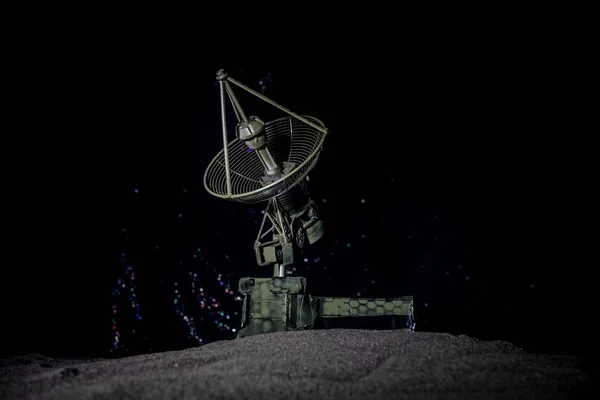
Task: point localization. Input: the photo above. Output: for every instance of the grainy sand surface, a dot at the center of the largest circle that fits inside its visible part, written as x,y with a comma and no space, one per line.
320,364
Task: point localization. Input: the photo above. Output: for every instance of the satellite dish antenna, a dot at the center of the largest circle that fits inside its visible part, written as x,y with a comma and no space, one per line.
269,162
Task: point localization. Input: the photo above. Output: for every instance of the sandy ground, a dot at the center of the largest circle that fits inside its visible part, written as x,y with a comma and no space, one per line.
326,364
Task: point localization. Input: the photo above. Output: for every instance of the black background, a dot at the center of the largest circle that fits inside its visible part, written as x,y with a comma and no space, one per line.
473,136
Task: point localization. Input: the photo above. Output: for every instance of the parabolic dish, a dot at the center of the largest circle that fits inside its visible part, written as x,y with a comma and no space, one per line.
288,140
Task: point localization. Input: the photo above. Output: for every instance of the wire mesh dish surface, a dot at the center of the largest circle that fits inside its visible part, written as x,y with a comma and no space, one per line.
288,140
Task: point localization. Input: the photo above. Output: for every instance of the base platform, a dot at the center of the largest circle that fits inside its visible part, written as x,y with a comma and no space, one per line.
283,304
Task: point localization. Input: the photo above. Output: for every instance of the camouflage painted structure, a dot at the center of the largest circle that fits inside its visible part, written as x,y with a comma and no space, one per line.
282,304
270,162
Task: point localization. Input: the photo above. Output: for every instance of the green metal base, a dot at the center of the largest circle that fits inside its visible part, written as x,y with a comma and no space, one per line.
282,304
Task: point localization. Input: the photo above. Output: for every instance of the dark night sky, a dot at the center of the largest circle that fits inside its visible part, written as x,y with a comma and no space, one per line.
451,150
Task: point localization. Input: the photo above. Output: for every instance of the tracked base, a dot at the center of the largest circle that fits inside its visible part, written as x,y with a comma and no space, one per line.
283,304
